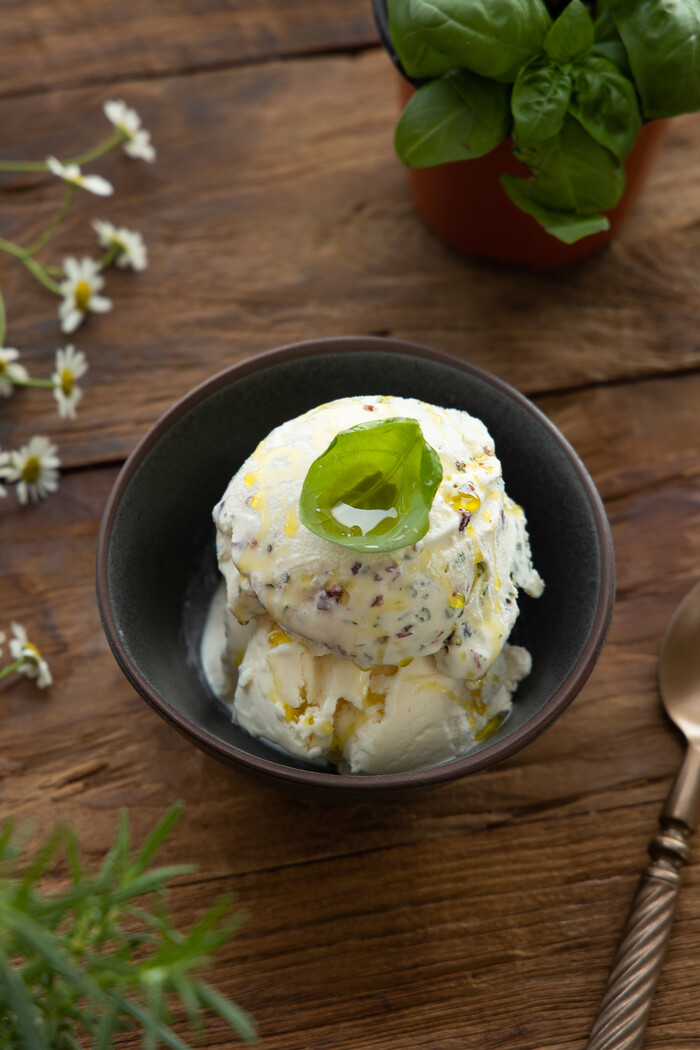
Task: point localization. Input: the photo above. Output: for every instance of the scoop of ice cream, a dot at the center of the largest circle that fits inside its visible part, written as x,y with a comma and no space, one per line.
384,719
453,593
223,645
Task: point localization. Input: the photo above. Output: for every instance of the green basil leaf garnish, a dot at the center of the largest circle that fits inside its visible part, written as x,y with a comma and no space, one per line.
459,117
373,487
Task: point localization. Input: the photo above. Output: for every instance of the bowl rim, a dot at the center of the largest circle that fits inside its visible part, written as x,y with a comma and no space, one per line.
372,784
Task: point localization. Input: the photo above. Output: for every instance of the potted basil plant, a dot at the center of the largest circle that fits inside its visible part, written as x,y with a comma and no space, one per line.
529,125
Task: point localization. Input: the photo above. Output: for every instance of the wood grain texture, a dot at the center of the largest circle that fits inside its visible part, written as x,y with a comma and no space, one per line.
483,914
277,212
54,43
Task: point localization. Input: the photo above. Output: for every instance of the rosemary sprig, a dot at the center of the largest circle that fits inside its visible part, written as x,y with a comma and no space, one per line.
102,955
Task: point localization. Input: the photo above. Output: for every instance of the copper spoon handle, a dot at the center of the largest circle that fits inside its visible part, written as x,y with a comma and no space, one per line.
623,1012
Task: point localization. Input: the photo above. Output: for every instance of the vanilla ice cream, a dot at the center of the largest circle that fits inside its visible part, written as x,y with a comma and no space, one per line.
378,661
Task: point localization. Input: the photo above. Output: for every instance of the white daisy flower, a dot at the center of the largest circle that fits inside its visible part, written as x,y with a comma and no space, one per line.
79,290
9,369
5,471
35,469
132,250
70,366
33,664
127,120
71,173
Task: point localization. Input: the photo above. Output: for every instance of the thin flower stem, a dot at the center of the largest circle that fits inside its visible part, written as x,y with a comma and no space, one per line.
3,320
100,149
82,158
46,383
60,215
11,667
22,165
110,255
32,265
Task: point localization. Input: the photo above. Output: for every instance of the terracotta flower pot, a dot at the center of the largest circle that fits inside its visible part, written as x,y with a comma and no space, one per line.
464,203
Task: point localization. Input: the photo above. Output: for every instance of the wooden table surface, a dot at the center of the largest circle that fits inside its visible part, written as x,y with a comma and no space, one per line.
482,915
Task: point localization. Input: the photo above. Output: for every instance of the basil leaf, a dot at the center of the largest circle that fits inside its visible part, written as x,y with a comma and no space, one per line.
608,43
491,37
572,172
417,58
572,34
605,102
458,117
565,226
662,39
373,487
540,98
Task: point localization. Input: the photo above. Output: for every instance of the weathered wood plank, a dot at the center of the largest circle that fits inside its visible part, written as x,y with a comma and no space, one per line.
277,212
481,915
52,43
635,437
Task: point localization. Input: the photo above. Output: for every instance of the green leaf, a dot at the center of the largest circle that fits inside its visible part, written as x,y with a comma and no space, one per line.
605,102
372,489
565,226
662,39
572,172
157,837
185,990
608,43
540,99
233,1015
118,857
29,1021
417,58
109,1024
572,34
150,882
574,178
143,1016
458,117
69,959
73,853
35,941
491,37
40,862
7,850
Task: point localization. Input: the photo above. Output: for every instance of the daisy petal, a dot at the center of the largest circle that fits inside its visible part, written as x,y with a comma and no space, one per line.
97,185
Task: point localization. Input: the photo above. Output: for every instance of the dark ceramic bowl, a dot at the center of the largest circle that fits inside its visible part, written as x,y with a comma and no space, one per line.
156,568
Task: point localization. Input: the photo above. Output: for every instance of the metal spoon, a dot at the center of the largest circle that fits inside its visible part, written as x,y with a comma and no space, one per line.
623,1012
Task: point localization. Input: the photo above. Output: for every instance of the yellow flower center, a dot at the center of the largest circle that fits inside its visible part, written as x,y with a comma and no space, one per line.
3,366
30,651
82,295
31,470
67,381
